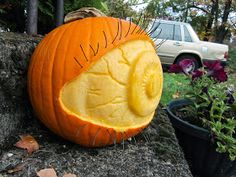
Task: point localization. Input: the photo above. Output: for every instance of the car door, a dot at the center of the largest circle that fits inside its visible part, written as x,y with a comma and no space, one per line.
168,38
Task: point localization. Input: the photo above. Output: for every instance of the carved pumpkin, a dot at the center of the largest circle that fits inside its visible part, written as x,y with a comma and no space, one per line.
95,81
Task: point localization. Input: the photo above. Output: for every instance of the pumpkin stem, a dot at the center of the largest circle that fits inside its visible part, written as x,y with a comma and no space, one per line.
83,13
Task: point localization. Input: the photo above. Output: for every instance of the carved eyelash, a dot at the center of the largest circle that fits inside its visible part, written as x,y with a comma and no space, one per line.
92,50
118,29
83,52
145,27
137,24
105,38
129,27
119,34
78,62
152,26
97,49
157,35
160,43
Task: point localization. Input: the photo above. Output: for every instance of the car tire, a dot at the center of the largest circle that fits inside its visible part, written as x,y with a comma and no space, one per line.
191,57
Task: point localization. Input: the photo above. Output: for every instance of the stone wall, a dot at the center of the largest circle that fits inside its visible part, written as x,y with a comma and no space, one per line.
15,110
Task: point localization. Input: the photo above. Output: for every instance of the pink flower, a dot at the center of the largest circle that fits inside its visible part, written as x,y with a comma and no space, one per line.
219,75
186,66
213,65
175,68
216,71
197,74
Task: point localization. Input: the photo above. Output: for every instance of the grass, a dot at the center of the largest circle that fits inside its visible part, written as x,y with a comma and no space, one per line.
232,60
174,84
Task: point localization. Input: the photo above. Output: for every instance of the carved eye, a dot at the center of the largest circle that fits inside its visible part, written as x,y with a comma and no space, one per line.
96,93
145,85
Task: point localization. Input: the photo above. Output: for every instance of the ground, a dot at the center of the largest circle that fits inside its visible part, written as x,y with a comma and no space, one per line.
154,152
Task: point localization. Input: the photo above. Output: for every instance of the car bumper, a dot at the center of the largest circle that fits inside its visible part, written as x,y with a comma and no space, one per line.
223,62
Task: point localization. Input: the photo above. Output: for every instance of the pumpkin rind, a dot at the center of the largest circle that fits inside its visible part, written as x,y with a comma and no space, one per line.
62,55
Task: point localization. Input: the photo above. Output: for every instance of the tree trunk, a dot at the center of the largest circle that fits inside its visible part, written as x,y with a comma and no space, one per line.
32,17
216,12
59,12
186,12
211,19
222,30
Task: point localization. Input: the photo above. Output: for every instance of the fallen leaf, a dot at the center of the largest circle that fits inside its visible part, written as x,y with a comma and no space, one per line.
27,142
47,172
69,175
17,168
176,95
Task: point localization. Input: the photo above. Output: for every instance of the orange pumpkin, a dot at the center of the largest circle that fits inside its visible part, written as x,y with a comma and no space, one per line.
95,81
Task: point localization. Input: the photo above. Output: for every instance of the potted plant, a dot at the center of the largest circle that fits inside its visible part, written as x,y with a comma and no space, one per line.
205,120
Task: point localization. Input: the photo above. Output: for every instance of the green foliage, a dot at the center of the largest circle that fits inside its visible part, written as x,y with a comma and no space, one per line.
205,17
71,5
213,99
174,84
211,106
232,60
47,11
12,17
120,9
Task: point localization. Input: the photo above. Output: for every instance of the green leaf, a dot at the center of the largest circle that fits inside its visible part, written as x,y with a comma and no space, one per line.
233,107
105,7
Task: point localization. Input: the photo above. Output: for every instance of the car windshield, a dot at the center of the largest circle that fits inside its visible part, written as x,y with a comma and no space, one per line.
162,30
154,30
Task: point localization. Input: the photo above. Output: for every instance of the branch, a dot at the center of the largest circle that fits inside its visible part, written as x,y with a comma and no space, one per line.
233,21
138,4
195,7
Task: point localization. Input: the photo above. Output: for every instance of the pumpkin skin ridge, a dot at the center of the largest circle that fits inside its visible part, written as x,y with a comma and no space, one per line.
110,46
29,78
50,65
52,76
31,67
63,116
87,126
117,42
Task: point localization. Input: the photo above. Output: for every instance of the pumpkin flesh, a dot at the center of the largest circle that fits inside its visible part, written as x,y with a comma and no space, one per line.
112,92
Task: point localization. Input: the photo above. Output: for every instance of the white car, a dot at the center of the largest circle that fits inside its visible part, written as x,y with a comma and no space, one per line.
177,41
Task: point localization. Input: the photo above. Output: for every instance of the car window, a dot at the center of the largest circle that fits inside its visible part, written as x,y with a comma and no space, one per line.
163,31
177,33
187,37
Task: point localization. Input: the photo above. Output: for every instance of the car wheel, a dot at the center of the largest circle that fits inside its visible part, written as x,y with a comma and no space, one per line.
191,57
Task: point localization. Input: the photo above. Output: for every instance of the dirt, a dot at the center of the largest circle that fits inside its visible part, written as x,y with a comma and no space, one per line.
154,152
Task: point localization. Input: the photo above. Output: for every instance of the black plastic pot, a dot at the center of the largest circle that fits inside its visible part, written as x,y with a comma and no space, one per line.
199,151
